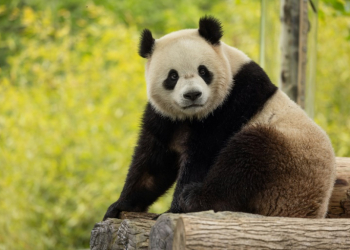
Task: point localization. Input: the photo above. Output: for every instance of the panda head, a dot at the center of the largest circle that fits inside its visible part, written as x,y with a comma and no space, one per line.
188,72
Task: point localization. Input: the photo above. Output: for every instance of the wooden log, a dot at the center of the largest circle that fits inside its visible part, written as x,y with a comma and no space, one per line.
261,233
133,234
134,215
339,204
162,233
104,234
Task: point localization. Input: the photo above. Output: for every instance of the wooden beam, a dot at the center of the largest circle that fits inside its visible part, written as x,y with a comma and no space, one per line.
261,233
162,233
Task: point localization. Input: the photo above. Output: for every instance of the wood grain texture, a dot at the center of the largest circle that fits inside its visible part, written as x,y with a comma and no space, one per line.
133,234
133,215
162,233
339,204
261,233
104,234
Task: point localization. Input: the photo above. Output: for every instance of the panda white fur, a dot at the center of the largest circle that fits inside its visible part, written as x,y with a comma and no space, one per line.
230,138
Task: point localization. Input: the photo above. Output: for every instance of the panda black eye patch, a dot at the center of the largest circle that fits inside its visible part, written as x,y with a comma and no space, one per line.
205,74
171,80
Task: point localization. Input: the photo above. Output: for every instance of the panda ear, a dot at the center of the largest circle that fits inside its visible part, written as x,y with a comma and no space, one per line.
210,29
146,43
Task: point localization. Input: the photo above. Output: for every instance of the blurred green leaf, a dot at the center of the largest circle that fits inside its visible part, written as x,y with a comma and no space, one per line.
72,92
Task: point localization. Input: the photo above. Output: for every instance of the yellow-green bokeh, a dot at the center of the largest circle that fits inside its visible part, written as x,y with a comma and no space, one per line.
72,92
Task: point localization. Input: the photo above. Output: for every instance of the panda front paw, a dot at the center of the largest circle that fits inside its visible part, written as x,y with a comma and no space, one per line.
191,198
119,206
113,211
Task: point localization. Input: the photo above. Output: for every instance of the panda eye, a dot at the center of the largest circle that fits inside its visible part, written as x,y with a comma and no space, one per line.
205,74
202,70
171,80
174,76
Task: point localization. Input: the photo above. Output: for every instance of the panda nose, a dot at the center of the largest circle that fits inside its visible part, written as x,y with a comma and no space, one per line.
192,95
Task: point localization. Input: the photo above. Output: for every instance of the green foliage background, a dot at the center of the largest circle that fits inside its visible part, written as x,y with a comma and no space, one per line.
72,91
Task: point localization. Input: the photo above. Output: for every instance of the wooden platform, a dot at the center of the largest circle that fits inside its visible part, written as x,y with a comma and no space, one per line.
231,230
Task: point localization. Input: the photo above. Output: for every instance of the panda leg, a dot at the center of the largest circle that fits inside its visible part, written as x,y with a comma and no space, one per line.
255,173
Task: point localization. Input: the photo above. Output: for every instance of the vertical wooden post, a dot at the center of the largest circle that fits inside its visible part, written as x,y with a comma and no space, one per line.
294,18
262,33
303,31
311,58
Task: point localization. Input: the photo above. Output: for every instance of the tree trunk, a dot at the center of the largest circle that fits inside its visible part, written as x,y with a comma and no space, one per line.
261,233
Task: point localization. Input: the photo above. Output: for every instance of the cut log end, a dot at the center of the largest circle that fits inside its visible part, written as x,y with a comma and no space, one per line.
103,235
161,235
134,234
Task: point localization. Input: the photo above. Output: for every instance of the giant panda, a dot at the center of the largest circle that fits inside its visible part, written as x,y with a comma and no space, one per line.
231,140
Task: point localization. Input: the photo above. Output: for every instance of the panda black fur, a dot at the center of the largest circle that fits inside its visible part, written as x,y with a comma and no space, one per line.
230,138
